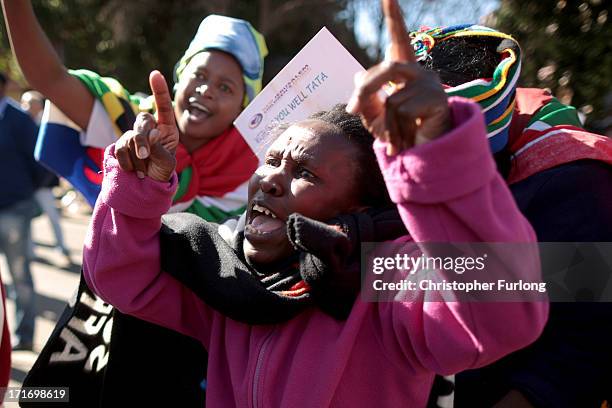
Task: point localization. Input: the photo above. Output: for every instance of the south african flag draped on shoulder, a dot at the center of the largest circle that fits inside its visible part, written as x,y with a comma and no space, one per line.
213,180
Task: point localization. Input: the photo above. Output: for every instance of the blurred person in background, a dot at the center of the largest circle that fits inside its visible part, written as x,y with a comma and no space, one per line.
33,102
19,178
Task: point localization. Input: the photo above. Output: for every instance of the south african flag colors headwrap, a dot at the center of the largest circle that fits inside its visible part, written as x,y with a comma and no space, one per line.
495,95
235,37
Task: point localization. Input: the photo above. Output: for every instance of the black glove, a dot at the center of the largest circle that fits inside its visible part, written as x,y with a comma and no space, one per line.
330,253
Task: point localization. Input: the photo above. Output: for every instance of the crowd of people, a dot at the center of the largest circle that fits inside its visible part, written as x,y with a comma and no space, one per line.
236,283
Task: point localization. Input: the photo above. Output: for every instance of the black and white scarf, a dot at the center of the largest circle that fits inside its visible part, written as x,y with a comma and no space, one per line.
124,359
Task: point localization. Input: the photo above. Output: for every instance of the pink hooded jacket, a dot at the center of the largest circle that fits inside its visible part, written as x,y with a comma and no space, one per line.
384,354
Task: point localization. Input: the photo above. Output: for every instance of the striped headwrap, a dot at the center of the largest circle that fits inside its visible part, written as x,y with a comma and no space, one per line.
235,37
495,95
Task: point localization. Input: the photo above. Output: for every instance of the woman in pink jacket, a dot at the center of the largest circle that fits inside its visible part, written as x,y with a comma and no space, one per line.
438,171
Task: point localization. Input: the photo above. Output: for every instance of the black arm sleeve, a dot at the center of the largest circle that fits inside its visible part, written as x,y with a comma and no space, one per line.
570,365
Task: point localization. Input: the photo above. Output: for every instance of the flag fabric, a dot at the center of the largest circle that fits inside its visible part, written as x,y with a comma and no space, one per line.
59,148
213,180
546,133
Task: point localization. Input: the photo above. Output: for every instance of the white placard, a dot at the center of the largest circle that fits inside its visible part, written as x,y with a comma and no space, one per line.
317,78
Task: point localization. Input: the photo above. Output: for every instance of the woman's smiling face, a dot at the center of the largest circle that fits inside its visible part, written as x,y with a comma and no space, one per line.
209,97
310,169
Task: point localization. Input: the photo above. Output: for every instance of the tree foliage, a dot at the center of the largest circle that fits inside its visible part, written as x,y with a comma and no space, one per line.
127,39
567,47
566,43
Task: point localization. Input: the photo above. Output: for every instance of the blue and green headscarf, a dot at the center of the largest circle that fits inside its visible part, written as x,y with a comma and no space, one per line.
235,37
495,95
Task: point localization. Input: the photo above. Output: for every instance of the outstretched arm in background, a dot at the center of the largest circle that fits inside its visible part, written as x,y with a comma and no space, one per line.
41,65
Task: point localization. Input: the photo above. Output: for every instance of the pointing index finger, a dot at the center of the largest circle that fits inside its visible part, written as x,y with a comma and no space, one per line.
163,102
401,49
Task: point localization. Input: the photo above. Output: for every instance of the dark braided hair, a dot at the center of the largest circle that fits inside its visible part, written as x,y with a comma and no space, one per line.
372,190
462,59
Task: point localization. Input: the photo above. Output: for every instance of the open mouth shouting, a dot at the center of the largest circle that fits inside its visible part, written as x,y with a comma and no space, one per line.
197,111
265,234
263,223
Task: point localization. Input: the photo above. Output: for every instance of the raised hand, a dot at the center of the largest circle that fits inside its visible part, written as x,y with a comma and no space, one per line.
399,48
417,109
149,148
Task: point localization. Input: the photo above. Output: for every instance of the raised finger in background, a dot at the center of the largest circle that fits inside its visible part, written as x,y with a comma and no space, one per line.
400,48
168,132
421,112
163,101
368,103
372,81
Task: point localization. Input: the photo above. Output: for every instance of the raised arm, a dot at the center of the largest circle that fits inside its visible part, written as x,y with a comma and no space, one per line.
41,65
121,256
438,168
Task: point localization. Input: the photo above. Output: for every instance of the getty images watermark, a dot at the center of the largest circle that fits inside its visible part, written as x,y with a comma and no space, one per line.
457,265
498,272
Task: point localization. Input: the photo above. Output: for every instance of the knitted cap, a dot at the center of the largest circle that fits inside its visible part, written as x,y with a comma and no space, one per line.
235,37
495,95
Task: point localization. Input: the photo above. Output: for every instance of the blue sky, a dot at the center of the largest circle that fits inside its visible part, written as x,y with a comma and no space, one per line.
430,13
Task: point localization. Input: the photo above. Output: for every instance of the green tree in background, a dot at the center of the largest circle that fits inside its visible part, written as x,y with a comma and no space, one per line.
567,47
76,29
127,39
566,44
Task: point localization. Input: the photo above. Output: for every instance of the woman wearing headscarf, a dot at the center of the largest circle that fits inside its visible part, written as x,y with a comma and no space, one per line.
217,76
561,178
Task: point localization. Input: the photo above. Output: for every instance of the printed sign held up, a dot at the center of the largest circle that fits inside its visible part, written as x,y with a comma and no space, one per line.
317,78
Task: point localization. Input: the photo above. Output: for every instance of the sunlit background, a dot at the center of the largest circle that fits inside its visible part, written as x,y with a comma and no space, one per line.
566,44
